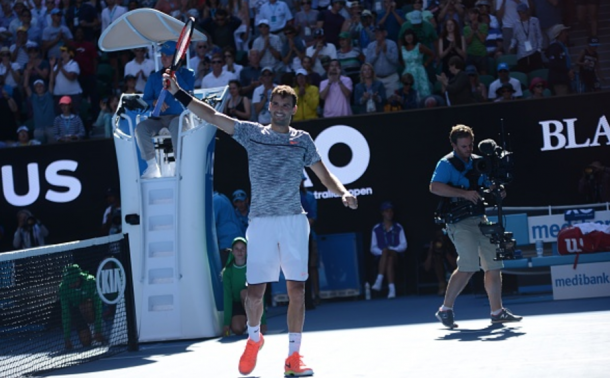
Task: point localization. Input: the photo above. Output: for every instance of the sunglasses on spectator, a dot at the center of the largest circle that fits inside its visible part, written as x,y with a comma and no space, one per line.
229,56
267,74
503,71
217,62
202,47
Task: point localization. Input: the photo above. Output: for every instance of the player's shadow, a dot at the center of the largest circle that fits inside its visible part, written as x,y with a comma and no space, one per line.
493,332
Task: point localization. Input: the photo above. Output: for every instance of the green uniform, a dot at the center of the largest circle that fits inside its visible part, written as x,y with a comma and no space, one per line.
71,298
234,281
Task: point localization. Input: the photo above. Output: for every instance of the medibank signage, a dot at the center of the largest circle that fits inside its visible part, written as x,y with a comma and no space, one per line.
586,281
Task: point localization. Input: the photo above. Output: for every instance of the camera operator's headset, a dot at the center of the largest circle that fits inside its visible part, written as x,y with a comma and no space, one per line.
453,210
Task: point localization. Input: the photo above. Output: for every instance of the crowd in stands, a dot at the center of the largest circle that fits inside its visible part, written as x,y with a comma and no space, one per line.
341,57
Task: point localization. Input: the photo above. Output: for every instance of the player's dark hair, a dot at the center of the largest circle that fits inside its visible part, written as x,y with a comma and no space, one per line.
460,131
285,91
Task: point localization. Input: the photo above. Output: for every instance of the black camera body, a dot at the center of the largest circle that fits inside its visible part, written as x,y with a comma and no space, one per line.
497,164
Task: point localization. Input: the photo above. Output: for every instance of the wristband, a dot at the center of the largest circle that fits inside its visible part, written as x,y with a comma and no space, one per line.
183,97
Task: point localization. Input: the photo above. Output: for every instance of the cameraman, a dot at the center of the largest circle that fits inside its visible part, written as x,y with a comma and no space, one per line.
455,178
30,232
594,184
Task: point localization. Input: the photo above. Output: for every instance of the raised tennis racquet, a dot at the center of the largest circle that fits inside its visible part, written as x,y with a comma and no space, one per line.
181,47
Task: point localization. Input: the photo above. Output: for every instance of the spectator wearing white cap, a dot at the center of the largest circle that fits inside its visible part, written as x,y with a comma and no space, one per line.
262,95
43,109
506,11
308,97
269,45
23,137
561,73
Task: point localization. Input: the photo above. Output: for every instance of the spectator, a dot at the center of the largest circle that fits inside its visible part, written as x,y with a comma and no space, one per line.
369,93
111,13
218,77
478,89
320,50
353,25
432,101
308,97
493,43
293,49
38,11
241,202
170,109
590,72
336,92
168,6
48,15
55,35
68,127
451,11
10,70
426,15
30,231
65,76
505,93
451,43
527,40
23,137
351,58
305,22
230,65
141,67
594,184
130,85
227,226
200,63
237,106
314,77
235,290
504,78
43,108
442,258
588,8
221,27
406,97
262,95
548,13
331,22
425,32
15,20
269,46
367,32
457,89
80,306
249,77
111,220
475,34
537,88
83,14
19,53
34,33
391,19
277,13
387,241
561,73
506,11
86,56
412,53
382,53
102,127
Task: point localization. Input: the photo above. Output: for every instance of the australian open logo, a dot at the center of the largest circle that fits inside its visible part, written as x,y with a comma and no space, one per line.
111,281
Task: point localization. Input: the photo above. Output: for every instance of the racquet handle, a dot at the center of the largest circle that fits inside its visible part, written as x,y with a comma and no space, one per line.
157,110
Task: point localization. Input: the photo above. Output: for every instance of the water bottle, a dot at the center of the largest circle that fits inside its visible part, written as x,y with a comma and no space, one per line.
367,291
539,248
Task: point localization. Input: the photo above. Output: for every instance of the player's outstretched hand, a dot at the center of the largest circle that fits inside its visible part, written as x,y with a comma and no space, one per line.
349,200
173,84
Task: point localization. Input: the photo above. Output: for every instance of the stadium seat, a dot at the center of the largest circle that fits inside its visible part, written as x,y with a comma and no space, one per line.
521,77
486,79
542,73
510,59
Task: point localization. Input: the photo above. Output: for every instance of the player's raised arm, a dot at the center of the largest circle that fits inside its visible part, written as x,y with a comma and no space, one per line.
332,183
200,108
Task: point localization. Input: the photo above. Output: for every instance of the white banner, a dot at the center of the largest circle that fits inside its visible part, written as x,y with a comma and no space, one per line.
546,227
586,281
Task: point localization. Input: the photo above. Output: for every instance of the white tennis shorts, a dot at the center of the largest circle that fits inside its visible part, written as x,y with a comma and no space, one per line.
277,242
